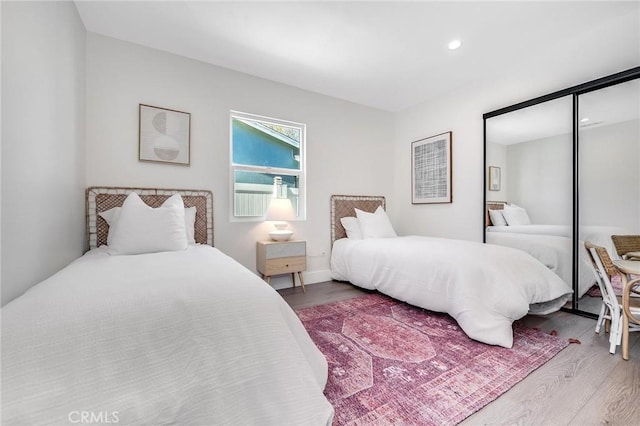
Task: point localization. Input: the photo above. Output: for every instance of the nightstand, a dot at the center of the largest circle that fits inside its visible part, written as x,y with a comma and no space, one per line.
282,257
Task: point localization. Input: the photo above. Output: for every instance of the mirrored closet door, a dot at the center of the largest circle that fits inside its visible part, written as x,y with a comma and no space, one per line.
609,171
563,169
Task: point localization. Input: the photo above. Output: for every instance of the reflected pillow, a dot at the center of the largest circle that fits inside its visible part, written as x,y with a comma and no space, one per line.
375,225
515,215
111,217
141,229
497,219
352,227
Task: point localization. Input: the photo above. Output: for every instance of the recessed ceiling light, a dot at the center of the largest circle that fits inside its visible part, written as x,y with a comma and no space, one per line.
454,44
584,120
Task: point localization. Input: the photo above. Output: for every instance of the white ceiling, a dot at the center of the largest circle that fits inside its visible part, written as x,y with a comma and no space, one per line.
387,55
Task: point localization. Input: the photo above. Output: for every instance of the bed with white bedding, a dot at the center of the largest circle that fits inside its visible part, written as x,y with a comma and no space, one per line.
510,226
185,336
484,287
600,235
552,251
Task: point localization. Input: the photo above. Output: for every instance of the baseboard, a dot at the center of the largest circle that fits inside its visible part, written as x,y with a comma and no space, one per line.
310,278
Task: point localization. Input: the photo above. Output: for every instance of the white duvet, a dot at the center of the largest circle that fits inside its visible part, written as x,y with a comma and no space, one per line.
600,235
483,287
555,252
186,338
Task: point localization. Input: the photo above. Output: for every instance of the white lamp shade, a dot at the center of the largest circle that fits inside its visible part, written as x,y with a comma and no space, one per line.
280,209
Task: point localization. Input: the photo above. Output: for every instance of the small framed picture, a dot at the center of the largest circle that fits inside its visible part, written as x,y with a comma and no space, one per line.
164,135
431,170
494,178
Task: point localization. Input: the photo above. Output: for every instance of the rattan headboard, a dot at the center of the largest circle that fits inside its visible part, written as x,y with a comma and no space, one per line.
100,199
344,205
492,205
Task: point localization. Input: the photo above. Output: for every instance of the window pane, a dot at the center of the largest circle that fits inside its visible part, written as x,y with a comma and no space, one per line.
253,192
264,144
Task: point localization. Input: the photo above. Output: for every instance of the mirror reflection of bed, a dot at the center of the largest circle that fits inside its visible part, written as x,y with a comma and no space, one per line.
552,245
534,149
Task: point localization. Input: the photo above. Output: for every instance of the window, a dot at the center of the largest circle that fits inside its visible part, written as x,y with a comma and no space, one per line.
267,155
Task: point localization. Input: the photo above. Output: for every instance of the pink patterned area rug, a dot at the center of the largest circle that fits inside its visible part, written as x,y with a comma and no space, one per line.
392,363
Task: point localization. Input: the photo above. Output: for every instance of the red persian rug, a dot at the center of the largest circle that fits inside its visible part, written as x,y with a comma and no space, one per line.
392,363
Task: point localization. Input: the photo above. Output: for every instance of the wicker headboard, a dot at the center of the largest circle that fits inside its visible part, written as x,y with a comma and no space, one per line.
344,205
492,205
100,199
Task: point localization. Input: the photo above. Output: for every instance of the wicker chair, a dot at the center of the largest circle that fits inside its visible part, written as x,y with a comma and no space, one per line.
626,244
611,310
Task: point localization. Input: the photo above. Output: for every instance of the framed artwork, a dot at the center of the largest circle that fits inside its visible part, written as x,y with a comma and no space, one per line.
494,178
164,135
431,170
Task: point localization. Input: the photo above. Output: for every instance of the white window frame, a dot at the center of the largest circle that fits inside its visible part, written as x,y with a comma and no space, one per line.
302,180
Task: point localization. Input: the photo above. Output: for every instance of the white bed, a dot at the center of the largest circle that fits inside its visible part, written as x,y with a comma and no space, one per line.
600,235
174,337
484,287
550,244
553,251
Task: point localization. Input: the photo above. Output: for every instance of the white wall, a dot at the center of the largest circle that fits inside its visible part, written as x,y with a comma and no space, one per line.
461,219
43,57
609,175
533,73
540,178
348,146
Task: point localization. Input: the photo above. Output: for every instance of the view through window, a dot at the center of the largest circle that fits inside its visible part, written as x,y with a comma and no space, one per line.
266,152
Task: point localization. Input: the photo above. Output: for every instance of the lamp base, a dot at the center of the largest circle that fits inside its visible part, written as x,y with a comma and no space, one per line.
281,235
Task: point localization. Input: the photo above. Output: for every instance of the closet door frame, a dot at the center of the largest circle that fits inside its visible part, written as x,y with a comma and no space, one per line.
574,92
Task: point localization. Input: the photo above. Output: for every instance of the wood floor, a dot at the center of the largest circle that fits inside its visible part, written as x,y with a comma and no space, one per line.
582,385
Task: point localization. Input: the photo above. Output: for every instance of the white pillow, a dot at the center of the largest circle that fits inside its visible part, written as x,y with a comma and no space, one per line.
515,215
375,225
497,219
142,229
111,217
352,227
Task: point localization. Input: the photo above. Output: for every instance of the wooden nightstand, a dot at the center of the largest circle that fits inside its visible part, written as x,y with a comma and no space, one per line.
282,257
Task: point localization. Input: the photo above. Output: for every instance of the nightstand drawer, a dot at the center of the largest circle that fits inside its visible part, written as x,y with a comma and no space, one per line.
285,265
296,248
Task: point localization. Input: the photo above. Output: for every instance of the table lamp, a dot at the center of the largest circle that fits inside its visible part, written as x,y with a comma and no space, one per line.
280,210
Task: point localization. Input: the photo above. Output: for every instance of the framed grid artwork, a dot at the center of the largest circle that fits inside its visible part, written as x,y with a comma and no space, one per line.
431,170
164,135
